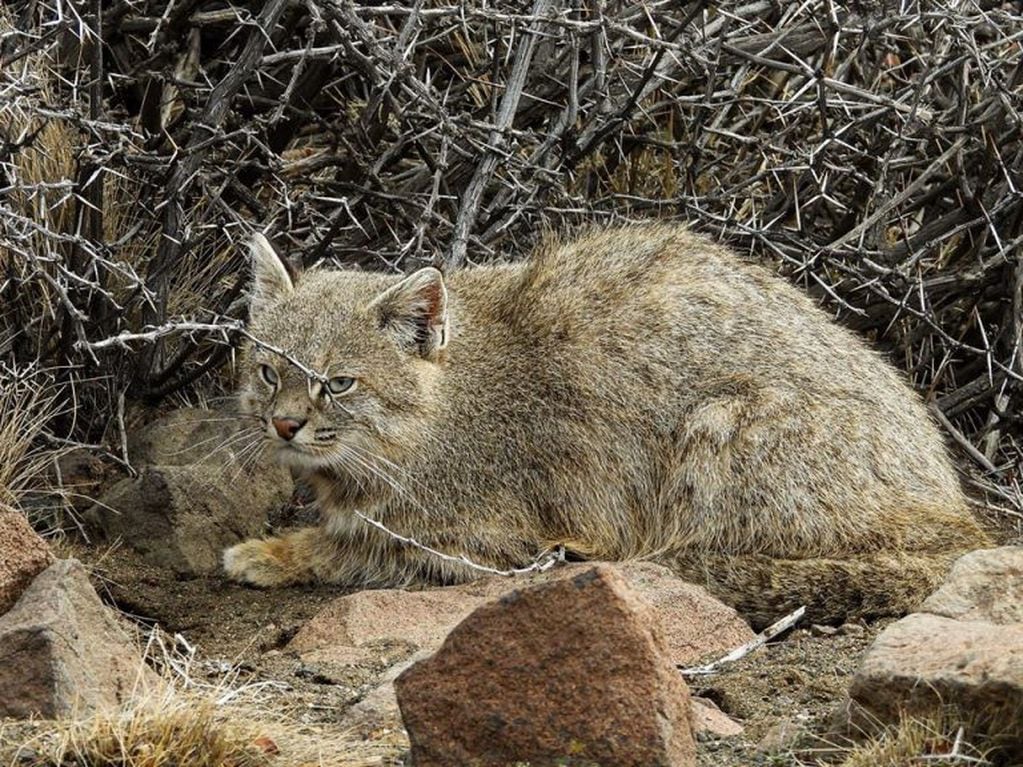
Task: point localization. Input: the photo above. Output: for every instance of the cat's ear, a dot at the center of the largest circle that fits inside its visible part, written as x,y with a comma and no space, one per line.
415,312
270,278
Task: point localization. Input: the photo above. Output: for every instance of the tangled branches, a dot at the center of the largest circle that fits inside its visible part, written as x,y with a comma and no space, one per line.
872,151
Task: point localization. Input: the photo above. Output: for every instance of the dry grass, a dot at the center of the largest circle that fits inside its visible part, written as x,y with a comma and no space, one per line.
148,736
181,731
28,402
935,742
197,714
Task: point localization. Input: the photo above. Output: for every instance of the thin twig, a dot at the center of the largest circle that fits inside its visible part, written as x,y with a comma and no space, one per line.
755,643
543,563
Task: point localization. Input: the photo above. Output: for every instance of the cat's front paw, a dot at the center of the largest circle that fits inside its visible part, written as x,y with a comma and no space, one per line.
264,563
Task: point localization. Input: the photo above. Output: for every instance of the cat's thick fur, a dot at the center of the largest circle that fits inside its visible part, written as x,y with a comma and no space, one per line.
638,392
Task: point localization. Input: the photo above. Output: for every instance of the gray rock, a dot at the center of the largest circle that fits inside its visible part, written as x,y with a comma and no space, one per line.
196,498
962,655
62,652
924,662
183,517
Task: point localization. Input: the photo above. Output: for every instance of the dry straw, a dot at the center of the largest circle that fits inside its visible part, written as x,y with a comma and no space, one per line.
194,714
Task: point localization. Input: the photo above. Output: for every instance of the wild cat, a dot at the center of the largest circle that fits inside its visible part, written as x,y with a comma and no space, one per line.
636,392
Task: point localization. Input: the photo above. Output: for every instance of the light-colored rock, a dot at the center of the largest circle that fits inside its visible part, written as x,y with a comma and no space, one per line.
984,585
23,555
962,653
695,625
343,631
781,736
924,662
182,512
186,436
710,721
62,652
572,669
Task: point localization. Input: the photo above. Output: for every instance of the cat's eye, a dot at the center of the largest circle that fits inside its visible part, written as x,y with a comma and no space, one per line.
268,374
340,385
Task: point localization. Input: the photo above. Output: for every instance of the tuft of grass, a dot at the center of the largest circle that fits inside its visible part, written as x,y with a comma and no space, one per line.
936,741
184,729
196,713
28,401
166,735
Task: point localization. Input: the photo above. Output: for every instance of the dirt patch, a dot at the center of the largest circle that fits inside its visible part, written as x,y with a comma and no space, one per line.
230,625
792,686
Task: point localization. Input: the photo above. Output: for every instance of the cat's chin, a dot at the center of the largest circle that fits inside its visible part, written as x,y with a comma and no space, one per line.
294,457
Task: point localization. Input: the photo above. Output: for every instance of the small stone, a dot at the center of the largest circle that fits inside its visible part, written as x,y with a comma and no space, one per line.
780,737
62,652
709,720
23,555
852,630
266,745
818,630
573,669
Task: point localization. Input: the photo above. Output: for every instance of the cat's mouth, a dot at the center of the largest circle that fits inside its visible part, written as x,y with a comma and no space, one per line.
296,456
303,455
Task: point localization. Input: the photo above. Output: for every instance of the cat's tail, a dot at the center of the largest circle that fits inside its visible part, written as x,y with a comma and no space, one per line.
833,590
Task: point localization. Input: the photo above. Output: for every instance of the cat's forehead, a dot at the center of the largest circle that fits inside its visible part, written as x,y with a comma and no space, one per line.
325,320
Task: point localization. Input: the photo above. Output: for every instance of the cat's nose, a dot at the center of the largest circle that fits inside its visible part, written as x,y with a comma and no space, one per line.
287,428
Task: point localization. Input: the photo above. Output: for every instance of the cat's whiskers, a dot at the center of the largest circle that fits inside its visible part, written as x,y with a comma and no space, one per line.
395,468
226,443
350,470
355,458
247,456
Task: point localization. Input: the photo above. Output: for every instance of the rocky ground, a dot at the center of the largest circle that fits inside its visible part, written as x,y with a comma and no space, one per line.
786,689
324,661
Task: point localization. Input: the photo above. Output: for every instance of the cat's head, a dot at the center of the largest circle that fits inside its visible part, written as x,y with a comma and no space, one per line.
344,365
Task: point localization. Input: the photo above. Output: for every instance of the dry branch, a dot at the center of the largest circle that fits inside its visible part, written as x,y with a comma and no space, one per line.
872,152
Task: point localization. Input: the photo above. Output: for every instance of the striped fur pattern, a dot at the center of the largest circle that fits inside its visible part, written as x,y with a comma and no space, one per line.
634,393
